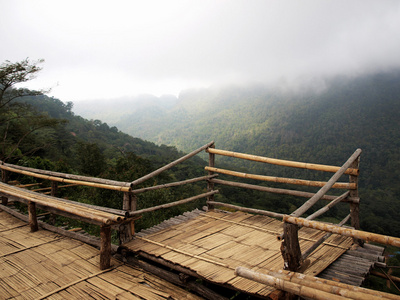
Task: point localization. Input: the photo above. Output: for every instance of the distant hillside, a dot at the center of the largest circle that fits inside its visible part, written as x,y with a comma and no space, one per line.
320,127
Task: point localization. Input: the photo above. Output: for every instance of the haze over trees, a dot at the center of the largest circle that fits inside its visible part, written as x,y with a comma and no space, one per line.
322,125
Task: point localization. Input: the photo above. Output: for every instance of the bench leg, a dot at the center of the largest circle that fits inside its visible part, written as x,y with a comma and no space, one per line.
32,216
105,247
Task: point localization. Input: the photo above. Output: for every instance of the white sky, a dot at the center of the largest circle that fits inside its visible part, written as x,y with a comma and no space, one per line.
109,49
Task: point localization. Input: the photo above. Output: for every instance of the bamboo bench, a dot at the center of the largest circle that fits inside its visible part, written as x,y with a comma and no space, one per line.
70,209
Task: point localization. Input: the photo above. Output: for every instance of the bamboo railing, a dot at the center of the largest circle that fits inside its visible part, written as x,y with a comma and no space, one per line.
291,250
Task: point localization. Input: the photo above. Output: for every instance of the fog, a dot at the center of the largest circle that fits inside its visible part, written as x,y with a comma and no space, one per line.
104,49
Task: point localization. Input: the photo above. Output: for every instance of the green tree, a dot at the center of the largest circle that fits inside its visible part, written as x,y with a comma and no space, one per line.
23,130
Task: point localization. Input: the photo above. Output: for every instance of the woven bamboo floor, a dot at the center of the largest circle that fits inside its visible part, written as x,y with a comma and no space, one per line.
214,243
44,265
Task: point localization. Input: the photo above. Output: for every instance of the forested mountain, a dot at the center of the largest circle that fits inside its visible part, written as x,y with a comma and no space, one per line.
322,125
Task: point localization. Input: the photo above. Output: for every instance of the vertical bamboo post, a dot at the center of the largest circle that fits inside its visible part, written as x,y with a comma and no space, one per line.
4,178
54,188
290,247
210,185
32,216
105,247
355,207
127,230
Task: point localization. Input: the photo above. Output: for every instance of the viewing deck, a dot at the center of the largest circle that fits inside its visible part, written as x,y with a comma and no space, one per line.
45,265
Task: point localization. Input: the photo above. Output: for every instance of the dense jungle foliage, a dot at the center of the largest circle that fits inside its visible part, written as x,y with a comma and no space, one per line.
321,125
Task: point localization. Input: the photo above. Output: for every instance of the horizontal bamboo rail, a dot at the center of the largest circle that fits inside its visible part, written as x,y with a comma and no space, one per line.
281,162
68,176
170,165
70,181
302,283
246,209
55,203
280,191
363,235
171,204
173,184
338,185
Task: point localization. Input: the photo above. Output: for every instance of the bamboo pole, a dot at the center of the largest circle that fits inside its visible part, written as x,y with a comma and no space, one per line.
210,184
328,206
173,184
281,162
338,185
167,205
249,210
58,179
330,184
287,286
279,191
366,236
170,165
76,209
330,286
64,175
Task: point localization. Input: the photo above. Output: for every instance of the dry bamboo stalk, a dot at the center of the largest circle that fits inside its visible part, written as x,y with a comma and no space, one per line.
338,185
281,162
137,212
279,191
328,206
287,286
330,184
71,181
172,184
46,201
250,210
363,235
330,286
170,165
64,175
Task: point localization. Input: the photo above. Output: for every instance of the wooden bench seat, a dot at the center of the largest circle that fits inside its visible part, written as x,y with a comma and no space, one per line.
66,208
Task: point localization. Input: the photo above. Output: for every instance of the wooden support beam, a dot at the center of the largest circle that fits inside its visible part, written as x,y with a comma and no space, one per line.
33,223
290,247
328,206
105,247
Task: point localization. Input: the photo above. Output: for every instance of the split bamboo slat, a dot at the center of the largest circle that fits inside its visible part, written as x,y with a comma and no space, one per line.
57,267
281,162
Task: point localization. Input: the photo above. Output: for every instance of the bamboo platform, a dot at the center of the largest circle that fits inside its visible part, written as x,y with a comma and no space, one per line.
214,243
44,265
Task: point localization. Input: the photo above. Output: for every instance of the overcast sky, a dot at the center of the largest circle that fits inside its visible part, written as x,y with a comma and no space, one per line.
108,49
